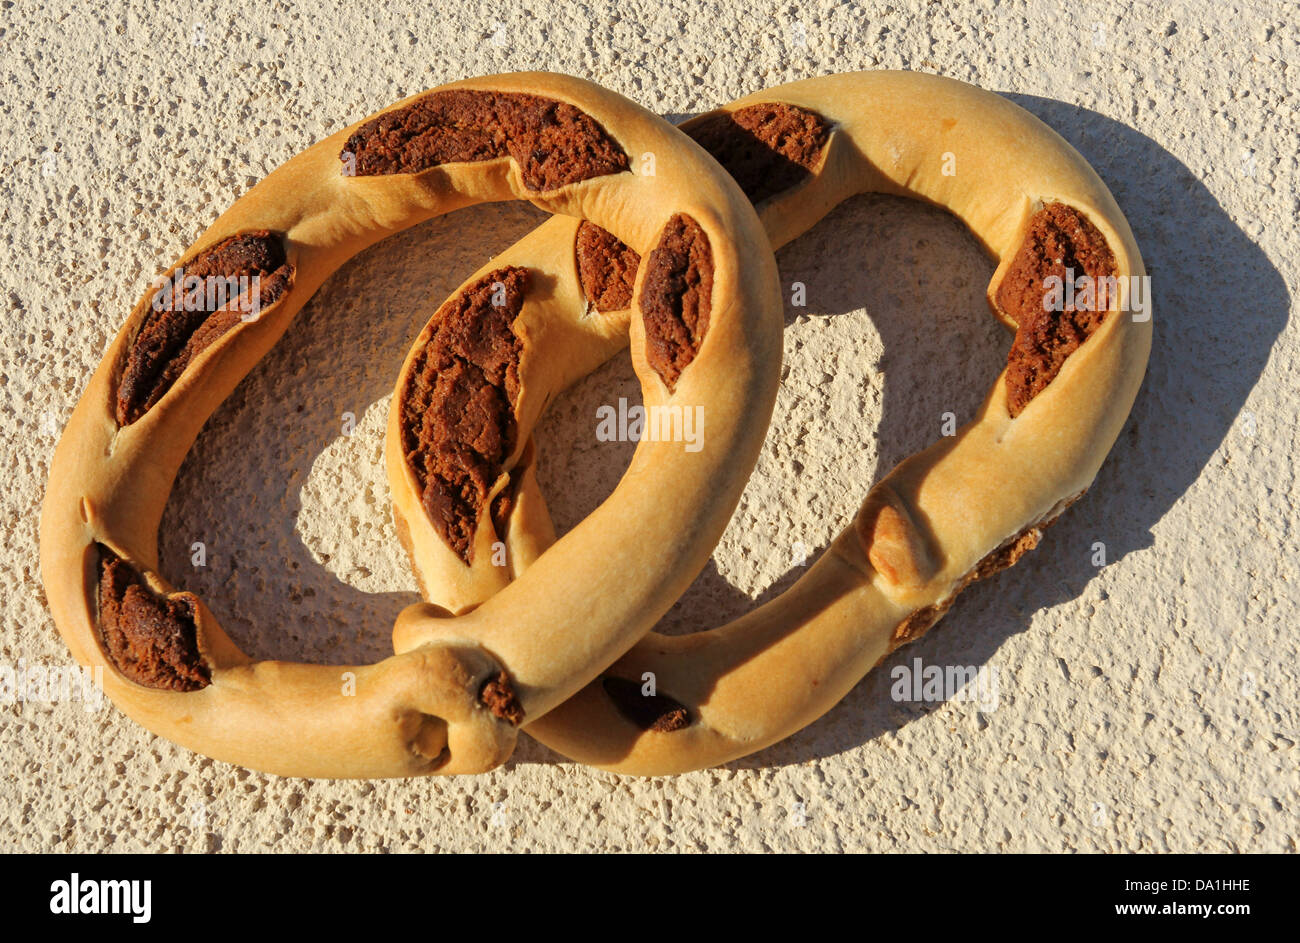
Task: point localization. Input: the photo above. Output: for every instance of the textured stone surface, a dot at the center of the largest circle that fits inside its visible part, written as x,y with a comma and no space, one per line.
1146,705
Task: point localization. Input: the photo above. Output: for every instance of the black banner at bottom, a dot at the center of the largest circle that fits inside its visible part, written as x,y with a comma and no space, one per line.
909,893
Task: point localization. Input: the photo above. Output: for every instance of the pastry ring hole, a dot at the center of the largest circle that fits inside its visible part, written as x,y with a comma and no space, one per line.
285,486
894,346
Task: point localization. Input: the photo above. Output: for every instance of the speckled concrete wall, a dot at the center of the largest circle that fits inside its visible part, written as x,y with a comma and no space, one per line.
1147,704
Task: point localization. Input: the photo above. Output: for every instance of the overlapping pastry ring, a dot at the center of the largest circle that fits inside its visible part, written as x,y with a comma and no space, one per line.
960,510
452,706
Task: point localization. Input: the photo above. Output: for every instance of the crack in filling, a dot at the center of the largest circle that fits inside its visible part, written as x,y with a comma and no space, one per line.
676,297
1003,558
498,696
187,318
767,148
656,712
606,268
553,143
151,638
1060,242
458,409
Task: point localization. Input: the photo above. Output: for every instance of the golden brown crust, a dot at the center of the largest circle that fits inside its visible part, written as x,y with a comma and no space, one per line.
892,540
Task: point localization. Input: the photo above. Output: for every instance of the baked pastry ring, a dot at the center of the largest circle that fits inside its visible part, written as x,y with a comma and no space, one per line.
451,706
960,510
